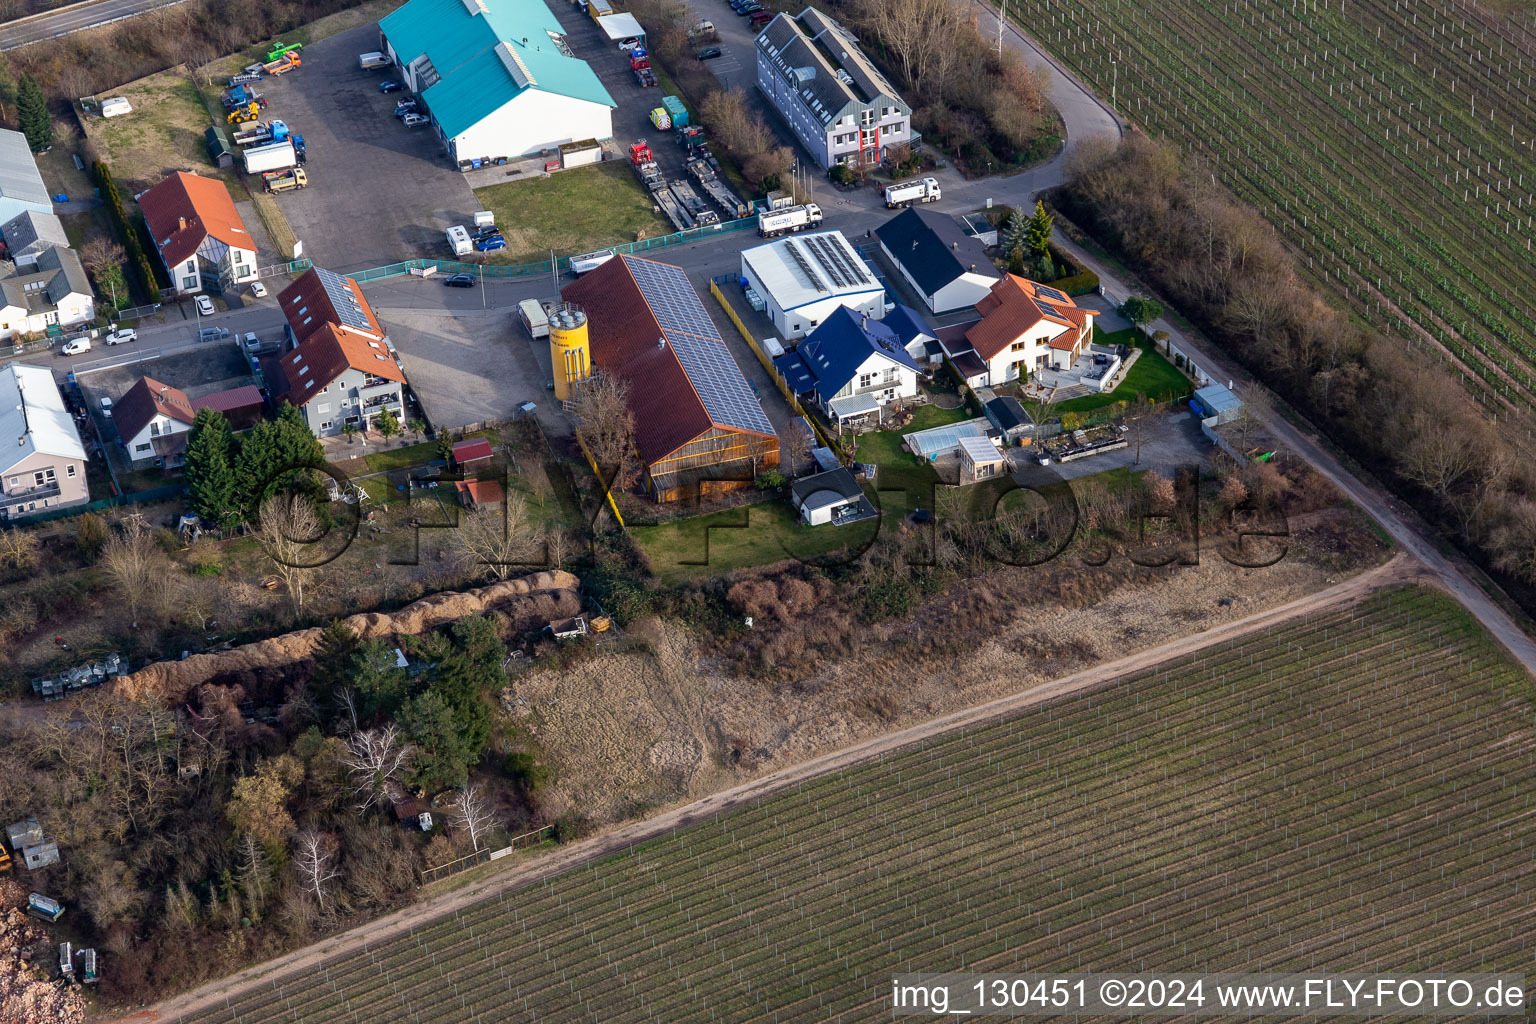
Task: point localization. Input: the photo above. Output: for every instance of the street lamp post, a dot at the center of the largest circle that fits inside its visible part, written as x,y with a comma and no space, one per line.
1114,84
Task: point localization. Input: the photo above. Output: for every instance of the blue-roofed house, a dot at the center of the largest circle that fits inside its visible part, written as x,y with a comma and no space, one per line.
496,76
943,264
916,336
851,366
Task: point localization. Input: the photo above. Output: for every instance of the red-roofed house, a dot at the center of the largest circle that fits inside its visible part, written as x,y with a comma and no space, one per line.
338,376
199,234
474,493
698,426
1024,327
319,297
153,418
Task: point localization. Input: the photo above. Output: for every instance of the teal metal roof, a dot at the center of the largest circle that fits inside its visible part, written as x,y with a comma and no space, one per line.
475,78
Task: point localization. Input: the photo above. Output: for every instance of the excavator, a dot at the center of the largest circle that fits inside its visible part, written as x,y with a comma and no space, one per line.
247,112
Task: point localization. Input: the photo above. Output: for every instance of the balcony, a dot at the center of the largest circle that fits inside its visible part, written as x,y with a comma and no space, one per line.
380,401
19,499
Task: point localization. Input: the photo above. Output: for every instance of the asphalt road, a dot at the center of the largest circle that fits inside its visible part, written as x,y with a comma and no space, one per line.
90,14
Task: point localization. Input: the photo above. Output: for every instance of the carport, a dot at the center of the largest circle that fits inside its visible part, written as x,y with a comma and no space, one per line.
620,27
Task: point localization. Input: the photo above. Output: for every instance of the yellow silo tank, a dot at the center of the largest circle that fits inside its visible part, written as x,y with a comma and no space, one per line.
568,349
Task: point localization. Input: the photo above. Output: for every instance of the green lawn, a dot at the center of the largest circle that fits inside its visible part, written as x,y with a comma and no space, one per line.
901,469
415,454
753,535
573,211
1153,376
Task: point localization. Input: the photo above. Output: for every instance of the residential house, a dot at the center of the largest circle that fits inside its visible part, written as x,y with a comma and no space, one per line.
339,377
948,268
480,493
699,428
803,279
48,296
153,418
42,460
1024,327
496,77
29,234
980,460
198,234
916,336
318,297
830,497
834,100
850,367
21,183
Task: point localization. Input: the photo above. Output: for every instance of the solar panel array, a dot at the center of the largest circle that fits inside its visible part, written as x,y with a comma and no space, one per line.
1052,294
1047,310
840,265
343,300
804,265
700,350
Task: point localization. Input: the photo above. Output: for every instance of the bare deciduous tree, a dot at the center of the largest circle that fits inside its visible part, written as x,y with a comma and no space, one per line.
607,426
131,562
287,526
18,549
375,757
312,856
495,542
473,813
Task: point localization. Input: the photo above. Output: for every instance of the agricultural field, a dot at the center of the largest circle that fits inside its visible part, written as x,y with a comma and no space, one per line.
1348,791
1388,140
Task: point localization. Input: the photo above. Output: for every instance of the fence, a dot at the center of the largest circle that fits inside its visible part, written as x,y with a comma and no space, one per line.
282,269
453,867
529,269
136,498
605,485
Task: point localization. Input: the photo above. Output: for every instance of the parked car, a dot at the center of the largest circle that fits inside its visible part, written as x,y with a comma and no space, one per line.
74,348
487,232
390,85
460,280
708,53
213,334
251,342
121,337
205,305
404,106
106,406
416,120
258,289
491,244
751,8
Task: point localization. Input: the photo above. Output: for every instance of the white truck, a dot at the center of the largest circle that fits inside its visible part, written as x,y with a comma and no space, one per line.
790,218
588,261
905,193
459,240
275,156
371,60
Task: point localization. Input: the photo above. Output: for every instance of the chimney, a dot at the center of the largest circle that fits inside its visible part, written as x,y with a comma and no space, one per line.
181,223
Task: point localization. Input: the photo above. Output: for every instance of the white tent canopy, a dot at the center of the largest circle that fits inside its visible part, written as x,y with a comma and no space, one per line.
622,26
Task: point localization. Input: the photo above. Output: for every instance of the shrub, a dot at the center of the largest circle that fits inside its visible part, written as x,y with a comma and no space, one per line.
126,230
90,536
1084,283
525,772
769,479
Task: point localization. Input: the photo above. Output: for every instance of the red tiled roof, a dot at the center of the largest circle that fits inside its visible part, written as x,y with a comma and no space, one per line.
228,401
471,450
328,353
184,209
1010,309
623,332
480,492
308,306
147,399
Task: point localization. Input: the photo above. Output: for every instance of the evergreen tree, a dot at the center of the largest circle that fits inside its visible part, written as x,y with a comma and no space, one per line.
7,89
443,755
32,113
333,661
273,457
1037,236
210,469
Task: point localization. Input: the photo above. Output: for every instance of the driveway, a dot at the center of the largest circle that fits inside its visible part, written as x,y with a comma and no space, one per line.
378,192
1169,444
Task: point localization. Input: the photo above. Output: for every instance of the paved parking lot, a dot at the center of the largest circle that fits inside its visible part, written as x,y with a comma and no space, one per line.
1170,442
378,192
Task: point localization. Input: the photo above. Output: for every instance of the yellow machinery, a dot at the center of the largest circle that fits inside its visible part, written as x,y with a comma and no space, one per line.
248,112
568,349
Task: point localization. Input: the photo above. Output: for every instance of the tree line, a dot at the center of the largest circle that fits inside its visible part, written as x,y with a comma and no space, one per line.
1394,405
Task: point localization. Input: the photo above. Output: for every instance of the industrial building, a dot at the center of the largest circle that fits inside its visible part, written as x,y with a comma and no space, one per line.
698,427
496,77
835,101
803,279
21,183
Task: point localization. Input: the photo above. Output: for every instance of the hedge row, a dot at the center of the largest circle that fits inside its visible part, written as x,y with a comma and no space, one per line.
1084,283
126,231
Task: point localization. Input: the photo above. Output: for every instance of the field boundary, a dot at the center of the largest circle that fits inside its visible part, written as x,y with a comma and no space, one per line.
1399,570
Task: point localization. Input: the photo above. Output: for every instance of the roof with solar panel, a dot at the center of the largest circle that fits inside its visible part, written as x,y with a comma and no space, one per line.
807,268
1015,305
648,325
319,297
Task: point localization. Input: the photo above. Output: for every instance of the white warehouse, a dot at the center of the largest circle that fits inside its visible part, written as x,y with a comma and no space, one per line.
804,279
496,77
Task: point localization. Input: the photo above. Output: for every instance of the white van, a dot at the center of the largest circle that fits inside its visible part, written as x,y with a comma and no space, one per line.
535,320
369,61
459,241
76,347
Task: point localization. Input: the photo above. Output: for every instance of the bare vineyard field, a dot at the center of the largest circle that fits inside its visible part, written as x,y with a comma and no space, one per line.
1389,140
1348,792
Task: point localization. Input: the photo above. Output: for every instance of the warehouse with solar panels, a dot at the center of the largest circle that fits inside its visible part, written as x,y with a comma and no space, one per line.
802,280
698,426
